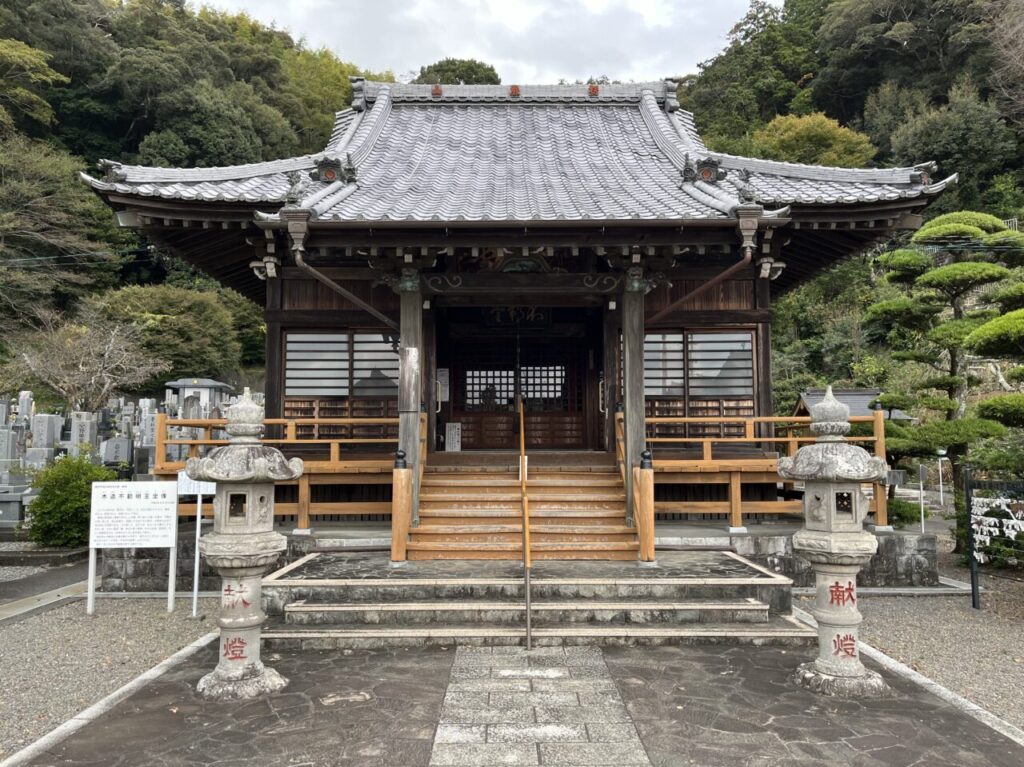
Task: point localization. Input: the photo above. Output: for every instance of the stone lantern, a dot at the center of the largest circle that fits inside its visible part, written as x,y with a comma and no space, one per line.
242,547
834,541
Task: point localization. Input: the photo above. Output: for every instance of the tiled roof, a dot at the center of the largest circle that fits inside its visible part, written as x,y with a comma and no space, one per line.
517,153
858,400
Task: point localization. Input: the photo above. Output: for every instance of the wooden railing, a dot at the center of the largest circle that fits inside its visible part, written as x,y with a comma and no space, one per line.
643,506
524,478
742,455
328,459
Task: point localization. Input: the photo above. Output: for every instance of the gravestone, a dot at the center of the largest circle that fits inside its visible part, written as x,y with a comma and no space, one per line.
39,457
116,450
147,405
147,429
10,456
84,432
5,412
46,429
25,406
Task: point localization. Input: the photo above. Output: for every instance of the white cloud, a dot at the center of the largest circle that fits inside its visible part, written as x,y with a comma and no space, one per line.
527,41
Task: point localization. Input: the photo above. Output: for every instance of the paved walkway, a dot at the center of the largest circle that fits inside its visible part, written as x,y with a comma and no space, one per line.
703,706
552,705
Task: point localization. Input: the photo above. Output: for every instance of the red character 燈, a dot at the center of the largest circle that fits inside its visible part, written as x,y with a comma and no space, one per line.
838,594
234,649
845,645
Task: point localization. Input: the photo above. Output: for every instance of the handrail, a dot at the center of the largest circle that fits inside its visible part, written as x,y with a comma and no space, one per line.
524,495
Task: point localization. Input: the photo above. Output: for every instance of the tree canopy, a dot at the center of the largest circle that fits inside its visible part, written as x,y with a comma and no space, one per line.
458,71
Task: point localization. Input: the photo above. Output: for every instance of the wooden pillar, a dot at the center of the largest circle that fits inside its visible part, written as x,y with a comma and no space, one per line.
401,509
880,491
611,395
633,374
410,375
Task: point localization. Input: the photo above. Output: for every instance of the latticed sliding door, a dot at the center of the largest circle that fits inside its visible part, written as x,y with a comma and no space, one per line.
341,375
700,374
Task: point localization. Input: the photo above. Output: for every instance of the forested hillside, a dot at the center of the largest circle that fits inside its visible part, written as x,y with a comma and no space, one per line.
840,82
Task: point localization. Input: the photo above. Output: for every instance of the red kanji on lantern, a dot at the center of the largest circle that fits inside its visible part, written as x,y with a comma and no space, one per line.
845,644
234,649
838,594
232,597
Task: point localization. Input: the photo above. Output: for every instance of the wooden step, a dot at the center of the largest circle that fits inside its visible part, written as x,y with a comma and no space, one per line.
470,538
538,527
516,513
513,549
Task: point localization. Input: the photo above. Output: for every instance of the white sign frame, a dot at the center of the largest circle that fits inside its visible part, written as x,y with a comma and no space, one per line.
114,504
189,486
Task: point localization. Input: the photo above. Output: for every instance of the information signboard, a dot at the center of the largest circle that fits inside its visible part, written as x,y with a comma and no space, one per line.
133,515
127,515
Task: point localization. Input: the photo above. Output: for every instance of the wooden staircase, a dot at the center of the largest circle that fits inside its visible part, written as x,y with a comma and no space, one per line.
475,513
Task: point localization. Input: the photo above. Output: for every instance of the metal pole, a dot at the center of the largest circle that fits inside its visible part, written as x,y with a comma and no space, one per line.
90,598
172,571
975,595
920,491
195,567
529,621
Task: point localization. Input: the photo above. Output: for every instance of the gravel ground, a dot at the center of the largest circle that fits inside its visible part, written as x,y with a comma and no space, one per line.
17,572
56,663
17,545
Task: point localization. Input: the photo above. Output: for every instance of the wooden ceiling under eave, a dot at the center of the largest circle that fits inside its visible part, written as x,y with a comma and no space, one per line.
213,237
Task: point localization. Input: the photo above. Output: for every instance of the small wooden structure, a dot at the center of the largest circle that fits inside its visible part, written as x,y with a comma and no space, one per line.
457,250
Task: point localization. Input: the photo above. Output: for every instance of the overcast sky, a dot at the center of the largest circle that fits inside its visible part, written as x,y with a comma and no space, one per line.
527,41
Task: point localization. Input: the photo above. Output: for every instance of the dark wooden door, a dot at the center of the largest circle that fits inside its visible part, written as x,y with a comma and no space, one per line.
551,376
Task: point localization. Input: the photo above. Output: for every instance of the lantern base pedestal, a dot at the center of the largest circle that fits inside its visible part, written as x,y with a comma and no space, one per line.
256,680
868,685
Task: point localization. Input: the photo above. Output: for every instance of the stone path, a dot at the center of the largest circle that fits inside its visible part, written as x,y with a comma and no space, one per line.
551,706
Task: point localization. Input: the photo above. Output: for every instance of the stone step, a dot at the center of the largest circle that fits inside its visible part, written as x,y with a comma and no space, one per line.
780,629
508,611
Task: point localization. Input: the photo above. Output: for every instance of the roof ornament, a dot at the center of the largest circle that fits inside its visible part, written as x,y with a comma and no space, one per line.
112,171
513,91
709,170
689,170
330,169
436,90
746,192
922,173
294,194
671,101
358,92
594,89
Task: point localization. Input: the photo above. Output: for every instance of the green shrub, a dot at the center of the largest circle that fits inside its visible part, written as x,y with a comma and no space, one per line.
1008,409
947,232
1005,239
1009,297
59,516
1001,337
903,513
984,221
1015,375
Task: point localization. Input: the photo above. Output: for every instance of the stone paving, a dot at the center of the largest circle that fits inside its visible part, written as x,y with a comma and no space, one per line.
552,705
693,706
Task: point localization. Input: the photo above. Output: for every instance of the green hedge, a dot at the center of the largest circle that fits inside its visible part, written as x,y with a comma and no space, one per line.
59,515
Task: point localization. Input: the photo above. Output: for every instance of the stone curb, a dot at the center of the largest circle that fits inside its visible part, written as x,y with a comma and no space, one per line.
56,736
959,702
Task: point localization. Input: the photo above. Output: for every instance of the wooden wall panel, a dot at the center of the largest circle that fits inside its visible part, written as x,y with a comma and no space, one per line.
731,294
310,295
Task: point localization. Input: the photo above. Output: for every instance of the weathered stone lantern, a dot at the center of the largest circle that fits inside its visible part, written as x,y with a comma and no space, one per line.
242,547
834,541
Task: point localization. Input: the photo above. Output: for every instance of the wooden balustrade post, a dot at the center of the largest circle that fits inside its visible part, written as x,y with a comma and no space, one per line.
302,524
633,374
644,481
160,459
881,491
736,503
401,508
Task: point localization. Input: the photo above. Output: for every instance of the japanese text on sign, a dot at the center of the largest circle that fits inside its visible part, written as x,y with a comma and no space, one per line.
133,515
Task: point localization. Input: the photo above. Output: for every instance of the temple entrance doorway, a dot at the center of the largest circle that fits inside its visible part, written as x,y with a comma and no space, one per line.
489,358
